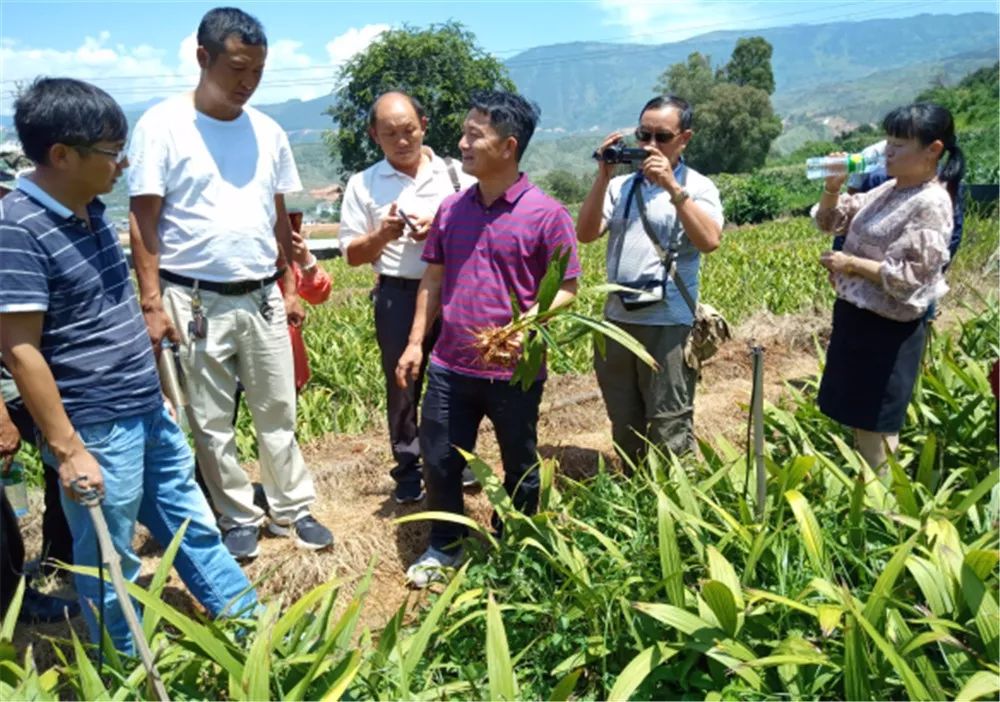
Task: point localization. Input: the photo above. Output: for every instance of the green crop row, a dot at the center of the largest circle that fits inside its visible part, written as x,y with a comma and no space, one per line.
663,585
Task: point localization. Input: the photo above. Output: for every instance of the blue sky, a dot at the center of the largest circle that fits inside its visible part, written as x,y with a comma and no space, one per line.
141,50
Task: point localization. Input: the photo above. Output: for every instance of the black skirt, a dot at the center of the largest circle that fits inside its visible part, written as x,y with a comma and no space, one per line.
871,368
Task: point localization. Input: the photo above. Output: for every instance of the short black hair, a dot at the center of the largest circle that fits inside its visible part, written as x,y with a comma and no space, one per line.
417,106
928,122
221,23
678,103
65,111
510,114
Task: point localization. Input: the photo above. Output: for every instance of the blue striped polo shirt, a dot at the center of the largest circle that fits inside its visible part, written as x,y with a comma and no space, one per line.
94,337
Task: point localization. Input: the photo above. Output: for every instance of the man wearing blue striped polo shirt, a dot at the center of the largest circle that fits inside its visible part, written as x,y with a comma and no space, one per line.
74,339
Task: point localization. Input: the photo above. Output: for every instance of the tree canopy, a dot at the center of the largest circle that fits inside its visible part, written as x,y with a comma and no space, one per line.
441,66
750,65
734,122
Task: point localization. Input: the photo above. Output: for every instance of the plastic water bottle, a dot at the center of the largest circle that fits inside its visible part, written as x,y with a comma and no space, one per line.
16,490
826,166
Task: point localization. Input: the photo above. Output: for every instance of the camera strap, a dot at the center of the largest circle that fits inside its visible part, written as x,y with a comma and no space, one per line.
667,258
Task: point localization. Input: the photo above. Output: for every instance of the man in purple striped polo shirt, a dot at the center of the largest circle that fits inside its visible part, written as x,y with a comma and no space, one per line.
488,244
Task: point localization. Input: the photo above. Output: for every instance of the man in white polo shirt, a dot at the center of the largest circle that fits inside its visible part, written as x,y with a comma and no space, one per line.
384,218
207,188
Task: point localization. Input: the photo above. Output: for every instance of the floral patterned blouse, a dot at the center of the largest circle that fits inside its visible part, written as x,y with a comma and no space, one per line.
907,230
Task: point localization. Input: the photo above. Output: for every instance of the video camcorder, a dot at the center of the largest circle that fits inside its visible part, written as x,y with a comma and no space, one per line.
619,153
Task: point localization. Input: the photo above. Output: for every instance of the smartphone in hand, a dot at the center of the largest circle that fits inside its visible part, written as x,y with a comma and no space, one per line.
407,221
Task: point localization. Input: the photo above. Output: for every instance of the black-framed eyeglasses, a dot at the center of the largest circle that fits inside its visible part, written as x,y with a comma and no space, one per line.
118,156
660,137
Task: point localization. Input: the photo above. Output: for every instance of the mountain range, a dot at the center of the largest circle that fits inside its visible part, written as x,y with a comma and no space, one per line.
829,78
847,71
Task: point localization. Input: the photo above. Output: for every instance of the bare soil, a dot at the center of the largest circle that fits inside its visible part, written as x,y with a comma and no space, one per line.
354,487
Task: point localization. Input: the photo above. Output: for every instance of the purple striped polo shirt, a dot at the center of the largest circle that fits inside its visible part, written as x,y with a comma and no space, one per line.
489,254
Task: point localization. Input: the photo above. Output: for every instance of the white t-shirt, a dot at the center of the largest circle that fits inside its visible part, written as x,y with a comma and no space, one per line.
370,194
218,180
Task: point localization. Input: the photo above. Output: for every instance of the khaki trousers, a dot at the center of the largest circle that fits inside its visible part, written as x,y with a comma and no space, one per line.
241,344
643,404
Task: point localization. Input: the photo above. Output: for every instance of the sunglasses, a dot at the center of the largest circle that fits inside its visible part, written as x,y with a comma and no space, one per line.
660,137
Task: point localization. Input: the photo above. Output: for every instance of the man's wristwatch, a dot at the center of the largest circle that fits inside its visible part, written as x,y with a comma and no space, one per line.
680,196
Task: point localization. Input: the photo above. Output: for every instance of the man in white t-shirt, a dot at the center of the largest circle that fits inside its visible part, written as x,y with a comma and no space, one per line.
208,217
384,218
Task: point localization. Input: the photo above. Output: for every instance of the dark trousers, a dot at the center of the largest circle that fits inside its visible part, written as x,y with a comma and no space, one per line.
454,406
11,553
395,301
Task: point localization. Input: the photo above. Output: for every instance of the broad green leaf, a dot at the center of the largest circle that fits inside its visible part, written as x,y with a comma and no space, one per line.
982,562
213,643
348,669
914,687
983,606
756,595
902,488
925,467
553,278
720,599
932,583
670,556
829,618
797,659
812,537
719,568
981,684
294,614
546,480
607,543
86,674
503,684
257,671
13,610
450,517
160,577
417,643
977,493
856,682
617,334
638,669
882,590
564,688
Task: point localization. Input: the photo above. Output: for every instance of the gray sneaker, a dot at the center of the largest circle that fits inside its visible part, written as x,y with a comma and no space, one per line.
309,533
431,567
242,542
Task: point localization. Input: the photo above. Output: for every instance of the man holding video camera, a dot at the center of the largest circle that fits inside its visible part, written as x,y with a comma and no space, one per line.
667,201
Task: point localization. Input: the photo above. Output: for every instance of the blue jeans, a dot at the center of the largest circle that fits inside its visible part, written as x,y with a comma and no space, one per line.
148,474
454,406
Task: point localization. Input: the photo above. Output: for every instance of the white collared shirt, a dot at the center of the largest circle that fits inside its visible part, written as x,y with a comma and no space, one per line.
370,194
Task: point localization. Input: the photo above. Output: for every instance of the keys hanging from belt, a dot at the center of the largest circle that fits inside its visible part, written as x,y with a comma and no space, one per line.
198,326
265,308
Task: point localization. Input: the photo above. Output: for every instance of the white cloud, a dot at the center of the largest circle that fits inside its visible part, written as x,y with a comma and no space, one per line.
139,73
661,21
353,41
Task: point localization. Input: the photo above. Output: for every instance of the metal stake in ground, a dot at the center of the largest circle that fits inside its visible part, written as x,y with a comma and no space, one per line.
756,423
91,500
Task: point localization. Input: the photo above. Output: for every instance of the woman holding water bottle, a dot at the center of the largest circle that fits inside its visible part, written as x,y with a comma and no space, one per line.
888,273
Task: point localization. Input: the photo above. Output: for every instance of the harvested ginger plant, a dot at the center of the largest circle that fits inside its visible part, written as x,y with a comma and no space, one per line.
498,346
